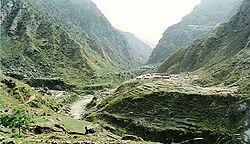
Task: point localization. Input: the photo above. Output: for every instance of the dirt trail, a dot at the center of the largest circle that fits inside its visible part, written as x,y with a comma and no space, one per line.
79,107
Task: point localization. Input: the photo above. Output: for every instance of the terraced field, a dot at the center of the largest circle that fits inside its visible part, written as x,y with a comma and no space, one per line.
173,111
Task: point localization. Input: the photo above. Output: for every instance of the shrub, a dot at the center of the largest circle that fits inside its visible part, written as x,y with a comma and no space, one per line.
16,119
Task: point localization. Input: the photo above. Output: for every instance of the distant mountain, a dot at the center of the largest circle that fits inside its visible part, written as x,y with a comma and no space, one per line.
151,44
222,56
202,20
70,39
142,50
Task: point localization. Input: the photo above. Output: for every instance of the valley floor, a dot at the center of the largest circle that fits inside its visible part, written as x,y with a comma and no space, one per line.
172,106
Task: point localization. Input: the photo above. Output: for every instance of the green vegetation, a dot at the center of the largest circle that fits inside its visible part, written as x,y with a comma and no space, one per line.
54,84
16,93
43,113
69,123
221,57
165,112
196,25
71,99
17,119
55,53
64,46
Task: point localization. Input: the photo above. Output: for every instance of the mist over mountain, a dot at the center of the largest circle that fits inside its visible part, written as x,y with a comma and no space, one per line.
202,20
197,93
222,55
111,43
68,76
47,38
141,49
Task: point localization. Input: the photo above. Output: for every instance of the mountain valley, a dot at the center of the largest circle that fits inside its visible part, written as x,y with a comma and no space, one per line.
68,76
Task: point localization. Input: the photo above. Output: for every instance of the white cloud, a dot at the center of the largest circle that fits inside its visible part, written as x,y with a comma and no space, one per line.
147,19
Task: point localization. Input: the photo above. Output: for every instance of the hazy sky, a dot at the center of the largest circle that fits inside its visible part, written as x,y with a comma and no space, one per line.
147,19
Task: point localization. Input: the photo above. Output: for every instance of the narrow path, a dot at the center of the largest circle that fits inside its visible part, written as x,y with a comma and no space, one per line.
79,107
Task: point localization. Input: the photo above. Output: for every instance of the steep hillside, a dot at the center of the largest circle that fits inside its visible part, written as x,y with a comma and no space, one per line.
141,49
193,106
222,56
87,18
195,25
17,94
33,45
67,39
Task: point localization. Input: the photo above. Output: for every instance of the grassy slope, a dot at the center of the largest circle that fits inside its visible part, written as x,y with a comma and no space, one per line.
22,95
196,25
101,36
223,56
58,46
54,52
166,112
40,108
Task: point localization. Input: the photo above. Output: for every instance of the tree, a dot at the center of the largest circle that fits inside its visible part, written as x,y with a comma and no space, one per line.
20,118
16,119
